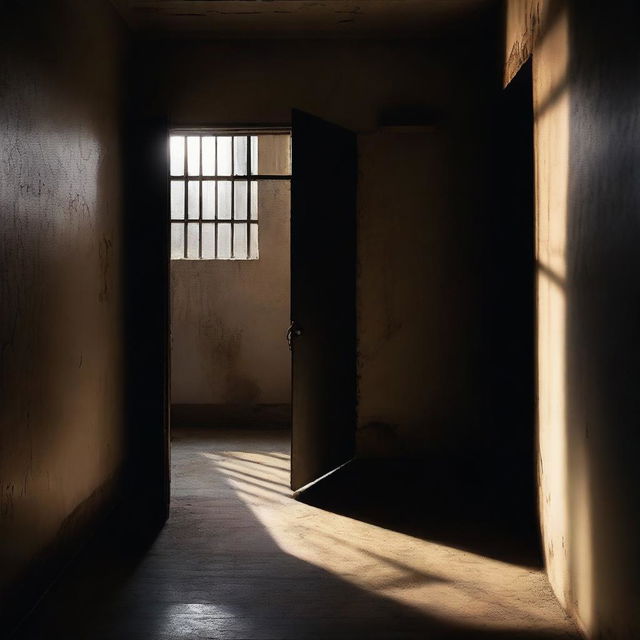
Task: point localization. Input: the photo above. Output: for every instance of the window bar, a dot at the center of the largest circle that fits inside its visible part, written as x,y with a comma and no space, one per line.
185,213
215,200
233,198
265,176
200,202
248,197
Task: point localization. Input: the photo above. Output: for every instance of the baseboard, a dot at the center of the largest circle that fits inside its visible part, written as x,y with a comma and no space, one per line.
231,416
22,595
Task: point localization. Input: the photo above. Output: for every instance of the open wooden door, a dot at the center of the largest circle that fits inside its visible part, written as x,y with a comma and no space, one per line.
323,296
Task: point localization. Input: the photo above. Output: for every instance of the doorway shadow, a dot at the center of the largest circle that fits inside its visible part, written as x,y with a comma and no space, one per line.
455,505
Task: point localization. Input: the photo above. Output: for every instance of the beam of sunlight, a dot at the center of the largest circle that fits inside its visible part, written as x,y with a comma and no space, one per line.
254,459
246,475
447,583
566,536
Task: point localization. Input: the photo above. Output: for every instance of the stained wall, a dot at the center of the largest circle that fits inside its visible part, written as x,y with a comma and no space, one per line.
229,318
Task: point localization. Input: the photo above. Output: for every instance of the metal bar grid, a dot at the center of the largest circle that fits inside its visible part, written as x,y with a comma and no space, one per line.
247,178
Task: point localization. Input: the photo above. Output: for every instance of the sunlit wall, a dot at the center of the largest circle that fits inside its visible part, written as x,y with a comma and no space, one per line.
587,148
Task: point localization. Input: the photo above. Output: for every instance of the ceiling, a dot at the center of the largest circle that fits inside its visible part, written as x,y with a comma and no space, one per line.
277,18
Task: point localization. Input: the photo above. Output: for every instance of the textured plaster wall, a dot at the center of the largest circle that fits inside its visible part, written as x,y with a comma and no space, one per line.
229,318
60,207
587,136
418,309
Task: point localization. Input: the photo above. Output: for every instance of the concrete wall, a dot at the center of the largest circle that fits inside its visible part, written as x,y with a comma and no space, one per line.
229,318
60,312
422,197
587,137
357,84
416,299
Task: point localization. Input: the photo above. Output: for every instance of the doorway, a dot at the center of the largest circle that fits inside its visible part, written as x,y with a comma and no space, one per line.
243,269
229,202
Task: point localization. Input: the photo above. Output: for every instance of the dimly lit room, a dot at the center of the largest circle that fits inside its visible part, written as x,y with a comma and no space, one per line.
319,319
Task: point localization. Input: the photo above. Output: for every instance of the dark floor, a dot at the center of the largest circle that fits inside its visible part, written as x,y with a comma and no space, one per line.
353,558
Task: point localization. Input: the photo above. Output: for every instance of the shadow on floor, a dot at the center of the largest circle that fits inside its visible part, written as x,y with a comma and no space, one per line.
433,502
215,571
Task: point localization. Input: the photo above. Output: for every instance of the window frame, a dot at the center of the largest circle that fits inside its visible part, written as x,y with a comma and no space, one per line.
248,178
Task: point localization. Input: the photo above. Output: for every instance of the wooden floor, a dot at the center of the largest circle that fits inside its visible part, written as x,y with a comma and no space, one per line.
240,558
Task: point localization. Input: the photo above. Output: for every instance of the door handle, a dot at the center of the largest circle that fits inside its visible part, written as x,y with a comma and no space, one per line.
294,331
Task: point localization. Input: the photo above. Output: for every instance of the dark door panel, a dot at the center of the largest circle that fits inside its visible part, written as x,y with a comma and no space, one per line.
323,266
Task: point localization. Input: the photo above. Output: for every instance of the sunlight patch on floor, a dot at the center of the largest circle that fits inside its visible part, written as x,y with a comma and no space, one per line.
442,581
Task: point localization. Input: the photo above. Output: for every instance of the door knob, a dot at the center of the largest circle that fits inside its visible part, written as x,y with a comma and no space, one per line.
294,331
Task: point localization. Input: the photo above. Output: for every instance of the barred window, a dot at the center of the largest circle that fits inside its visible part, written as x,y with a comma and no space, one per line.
214,190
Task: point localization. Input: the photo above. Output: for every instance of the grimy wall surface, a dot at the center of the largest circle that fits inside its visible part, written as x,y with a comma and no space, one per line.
586,62
60,311
229,318
357,84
